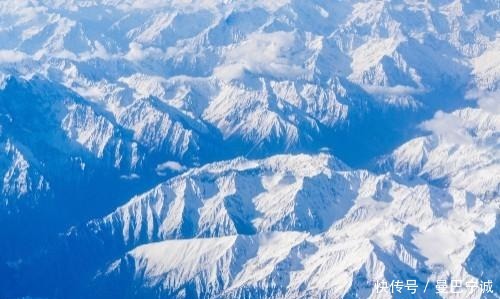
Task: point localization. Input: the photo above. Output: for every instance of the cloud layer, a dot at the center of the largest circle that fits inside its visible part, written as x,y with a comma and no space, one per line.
261,54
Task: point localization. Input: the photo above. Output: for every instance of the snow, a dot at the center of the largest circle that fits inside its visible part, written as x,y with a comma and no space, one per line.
367,43
439,242
370,54
369,222
462,152
487,64
92,131
222,106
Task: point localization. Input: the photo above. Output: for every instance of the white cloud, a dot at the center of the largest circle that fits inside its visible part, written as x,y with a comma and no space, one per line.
12,56
487,100
138,53
132,176
262,54
99,51
398,90
171,166
449,127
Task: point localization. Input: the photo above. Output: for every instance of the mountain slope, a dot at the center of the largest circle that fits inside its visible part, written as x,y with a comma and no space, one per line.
192,149
322,66
388,231
463,152
426,223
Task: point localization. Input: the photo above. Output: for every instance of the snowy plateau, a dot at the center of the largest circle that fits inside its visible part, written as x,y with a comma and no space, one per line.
249,149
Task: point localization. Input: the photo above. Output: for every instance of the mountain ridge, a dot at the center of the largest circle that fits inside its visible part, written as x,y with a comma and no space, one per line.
284,150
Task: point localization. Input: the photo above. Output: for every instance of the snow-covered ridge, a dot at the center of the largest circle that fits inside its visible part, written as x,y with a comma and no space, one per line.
22,183
364,226
463,152
237,197
184,122
319,64
296,226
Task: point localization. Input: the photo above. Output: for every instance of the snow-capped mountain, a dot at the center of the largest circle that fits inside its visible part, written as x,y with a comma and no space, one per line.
235,149
275,228
144,85
304,226
320,64
20,178
463,152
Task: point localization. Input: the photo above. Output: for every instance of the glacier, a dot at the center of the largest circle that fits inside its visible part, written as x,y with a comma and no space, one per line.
235,149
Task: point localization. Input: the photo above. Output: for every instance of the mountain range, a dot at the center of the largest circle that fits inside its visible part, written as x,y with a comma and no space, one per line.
232,149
